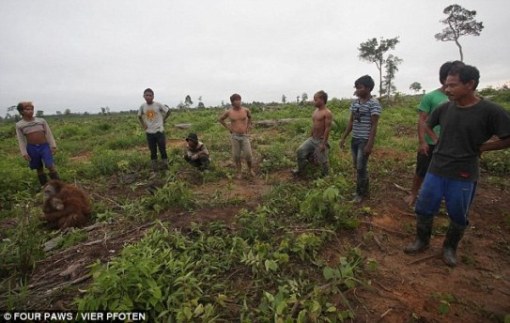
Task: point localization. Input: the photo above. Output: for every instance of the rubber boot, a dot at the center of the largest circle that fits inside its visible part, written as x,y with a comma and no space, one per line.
43,179
54,175
423,232
154,165
165,164
453,236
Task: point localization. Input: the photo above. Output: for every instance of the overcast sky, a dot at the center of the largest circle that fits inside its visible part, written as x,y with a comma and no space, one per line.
86,54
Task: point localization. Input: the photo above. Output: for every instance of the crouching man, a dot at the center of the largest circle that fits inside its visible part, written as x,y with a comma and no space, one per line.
197,154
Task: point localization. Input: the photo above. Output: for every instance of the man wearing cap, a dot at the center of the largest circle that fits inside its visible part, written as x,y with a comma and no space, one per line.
196,153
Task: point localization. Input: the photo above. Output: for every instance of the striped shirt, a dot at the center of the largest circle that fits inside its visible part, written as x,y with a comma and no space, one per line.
362,117
24,128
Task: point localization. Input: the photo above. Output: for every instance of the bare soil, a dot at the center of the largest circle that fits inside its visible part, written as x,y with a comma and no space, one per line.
403,288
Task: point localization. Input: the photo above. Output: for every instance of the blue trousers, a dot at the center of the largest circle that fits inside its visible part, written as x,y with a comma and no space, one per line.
458,197
360,162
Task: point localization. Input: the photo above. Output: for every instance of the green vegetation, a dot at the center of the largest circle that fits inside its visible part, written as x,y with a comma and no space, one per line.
266,263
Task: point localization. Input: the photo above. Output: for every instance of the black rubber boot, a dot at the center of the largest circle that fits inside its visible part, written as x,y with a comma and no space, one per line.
154,165
54,175
453,236
423,232
165,164
43,179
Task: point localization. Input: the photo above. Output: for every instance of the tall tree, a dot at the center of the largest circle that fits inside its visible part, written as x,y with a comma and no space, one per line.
391,68
304,97
39,113
67,112
187,101
415,86
460,22
284,99
373,51
297,99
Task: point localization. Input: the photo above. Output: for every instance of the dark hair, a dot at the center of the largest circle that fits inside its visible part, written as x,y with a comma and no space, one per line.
366,81
234,97
22,105
323,95
446,68
148,90
466,74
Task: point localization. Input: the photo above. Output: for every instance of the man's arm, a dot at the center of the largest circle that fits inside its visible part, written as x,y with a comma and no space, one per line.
328,119
423,147
49,137
371,137
248,115
222,119
22,142
346,132
167,113
495,145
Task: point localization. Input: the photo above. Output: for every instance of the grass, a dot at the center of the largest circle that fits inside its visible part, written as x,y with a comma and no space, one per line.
266,264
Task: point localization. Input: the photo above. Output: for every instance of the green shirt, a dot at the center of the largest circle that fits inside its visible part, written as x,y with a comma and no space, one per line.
428,104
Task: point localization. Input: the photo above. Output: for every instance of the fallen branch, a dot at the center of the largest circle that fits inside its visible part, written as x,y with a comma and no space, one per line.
416,261
403,234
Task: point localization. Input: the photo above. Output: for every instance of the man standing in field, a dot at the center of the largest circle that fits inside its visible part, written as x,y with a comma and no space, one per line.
240,123
365,112
467,122
316,147
152,116
428,104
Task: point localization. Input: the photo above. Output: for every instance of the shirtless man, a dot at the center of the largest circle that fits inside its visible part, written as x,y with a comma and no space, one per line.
240,123
316,147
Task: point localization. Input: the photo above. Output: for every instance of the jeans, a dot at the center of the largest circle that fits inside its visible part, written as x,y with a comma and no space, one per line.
360,162
157,141
458,197
309,150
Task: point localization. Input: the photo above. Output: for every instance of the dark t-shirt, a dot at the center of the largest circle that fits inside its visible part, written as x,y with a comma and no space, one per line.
463,131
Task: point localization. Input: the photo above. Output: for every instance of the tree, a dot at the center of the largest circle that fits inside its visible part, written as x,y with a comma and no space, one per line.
415,86
39,113
297,99
67,112
284,99
103,110
460,22
187,101
59,113
304,97
373,51
391,68
200,103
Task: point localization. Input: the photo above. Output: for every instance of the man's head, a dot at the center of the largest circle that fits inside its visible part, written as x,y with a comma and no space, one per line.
148,95
192,140
235,99
461,82
364,85
446,68
25,108
320,98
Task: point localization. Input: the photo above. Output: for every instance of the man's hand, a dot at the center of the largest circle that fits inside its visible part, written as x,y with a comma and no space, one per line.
424,149
368,150
26,157
322,146
342,143
144,126
53,150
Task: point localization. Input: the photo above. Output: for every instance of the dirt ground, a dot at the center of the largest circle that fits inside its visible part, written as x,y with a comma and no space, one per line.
403,288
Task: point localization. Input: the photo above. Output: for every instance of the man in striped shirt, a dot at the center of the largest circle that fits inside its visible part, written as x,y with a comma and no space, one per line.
365,112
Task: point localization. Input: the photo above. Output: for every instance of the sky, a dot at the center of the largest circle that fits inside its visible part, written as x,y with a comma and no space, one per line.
86,54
